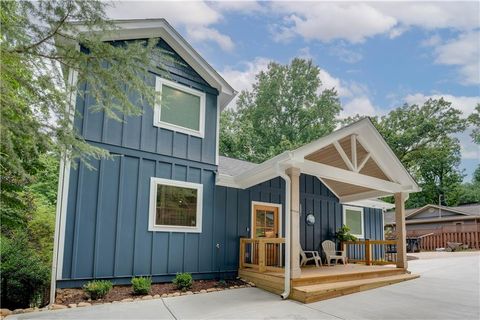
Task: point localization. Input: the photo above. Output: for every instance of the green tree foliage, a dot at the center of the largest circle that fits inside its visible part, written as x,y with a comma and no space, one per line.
24,276
474,120
283,111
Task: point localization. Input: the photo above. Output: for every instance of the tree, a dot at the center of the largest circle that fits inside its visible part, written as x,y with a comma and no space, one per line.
422,138
283,111
474,120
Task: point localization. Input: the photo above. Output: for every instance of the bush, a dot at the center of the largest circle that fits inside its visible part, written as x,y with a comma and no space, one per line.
183,281
97,289
343,234
24,276
141,285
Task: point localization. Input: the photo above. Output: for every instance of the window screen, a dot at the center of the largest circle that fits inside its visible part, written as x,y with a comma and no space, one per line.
353,220
180,108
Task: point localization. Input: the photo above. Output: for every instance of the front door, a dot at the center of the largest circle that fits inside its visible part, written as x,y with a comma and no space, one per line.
266,225
265,221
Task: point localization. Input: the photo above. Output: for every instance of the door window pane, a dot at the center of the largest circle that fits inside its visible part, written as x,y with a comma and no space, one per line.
353,219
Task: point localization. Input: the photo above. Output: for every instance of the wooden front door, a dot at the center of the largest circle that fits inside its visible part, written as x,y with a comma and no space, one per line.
266,225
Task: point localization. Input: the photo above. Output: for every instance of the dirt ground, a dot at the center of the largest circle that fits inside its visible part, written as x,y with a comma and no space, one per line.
120,292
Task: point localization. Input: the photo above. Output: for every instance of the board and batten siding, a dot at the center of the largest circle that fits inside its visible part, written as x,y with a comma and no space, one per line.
139,133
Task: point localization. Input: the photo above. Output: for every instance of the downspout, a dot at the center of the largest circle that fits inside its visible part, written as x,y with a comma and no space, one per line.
285,177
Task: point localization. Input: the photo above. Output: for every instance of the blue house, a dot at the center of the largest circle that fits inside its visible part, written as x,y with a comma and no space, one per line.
169,203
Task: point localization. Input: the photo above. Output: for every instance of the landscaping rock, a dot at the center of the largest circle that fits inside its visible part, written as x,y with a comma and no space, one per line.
211,289
232,287
164,295
57,307
28,310
84,304
189,292
17,311
72,305
170,295
116,301
149,297
176,294
242,286
196,292
203,291
5,312
183,294
157,296
127,300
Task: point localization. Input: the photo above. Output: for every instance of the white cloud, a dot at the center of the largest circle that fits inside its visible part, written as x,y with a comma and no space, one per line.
360,105
328,21
464,104
238,6
196,17
356,21
203,33
344,54
464,52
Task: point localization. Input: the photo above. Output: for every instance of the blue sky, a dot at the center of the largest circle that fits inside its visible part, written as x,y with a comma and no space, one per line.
378,55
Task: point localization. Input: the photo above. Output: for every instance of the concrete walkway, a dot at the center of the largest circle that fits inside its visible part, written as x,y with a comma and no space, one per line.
448,289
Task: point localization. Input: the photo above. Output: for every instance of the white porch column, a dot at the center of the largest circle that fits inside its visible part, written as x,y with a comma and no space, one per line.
401,231
294,174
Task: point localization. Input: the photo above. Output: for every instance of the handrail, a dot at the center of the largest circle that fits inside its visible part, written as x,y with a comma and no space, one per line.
362,251
264,254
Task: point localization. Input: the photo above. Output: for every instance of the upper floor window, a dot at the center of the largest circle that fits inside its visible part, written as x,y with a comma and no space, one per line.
180,108
353,218
175,206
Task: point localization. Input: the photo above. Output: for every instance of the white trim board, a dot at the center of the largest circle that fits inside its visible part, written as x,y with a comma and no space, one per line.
358,209
153,199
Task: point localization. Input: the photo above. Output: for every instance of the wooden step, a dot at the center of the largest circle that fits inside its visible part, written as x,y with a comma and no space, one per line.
317,292
350,276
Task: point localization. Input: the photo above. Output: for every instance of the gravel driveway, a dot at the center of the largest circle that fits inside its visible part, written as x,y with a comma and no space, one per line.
448,288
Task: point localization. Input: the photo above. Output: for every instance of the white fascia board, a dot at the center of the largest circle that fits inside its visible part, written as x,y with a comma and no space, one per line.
372,203
341,175
368,195
160,28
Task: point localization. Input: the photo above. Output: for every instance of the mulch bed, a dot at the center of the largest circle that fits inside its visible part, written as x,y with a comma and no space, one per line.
120,292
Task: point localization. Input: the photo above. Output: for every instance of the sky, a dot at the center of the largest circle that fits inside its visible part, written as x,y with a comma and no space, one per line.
377,55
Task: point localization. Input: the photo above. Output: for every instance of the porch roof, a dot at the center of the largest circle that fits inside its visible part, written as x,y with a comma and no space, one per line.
354,162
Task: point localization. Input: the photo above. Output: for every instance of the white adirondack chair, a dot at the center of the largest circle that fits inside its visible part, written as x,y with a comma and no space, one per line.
332,254
314,257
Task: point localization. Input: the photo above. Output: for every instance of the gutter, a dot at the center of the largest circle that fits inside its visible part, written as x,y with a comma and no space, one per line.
281,173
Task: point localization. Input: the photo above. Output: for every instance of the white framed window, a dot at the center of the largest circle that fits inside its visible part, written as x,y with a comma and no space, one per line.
175,206
353,218
179,108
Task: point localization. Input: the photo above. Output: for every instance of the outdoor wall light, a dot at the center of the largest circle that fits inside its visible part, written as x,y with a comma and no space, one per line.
310,220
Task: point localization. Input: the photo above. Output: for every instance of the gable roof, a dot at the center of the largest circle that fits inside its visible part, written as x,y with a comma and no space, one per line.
469,211
361,186
160,28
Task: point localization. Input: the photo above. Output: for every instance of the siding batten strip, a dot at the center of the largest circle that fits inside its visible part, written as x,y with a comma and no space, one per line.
77,223
101,172
137,212
118,222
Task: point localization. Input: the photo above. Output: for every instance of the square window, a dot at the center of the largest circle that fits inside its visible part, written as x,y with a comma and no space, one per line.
179,108
353,218
175,206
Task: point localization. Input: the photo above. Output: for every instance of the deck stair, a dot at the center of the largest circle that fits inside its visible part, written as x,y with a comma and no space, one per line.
322,291
316,286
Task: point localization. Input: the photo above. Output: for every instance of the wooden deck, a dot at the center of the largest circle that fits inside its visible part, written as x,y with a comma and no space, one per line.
326,282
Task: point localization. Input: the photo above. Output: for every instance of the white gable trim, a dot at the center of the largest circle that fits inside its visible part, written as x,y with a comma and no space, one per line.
160,28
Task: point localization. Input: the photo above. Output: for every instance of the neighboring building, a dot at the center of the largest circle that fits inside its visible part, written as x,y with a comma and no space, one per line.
168,203
431,217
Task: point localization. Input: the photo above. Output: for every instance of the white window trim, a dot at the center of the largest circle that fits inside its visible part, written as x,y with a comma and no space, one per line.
358,209
276,205
153,205
159,82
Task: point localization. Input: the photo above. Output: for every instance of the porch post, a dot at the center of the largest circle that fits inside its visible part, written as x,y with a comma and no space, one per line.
401,231
294,174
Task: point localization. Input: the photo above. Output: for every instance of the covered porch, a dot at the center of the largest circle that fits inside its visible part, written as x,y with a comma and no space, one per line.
356,165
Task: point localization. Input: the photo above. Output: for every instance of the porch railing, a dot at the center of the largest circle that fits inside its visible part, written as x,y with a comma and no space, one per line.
371,251
262,254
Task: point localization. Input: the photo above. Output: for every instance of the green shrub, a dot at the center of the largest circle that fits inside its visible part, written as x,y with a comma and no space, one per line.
183,281
343,234
24,276
97,289
141,285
